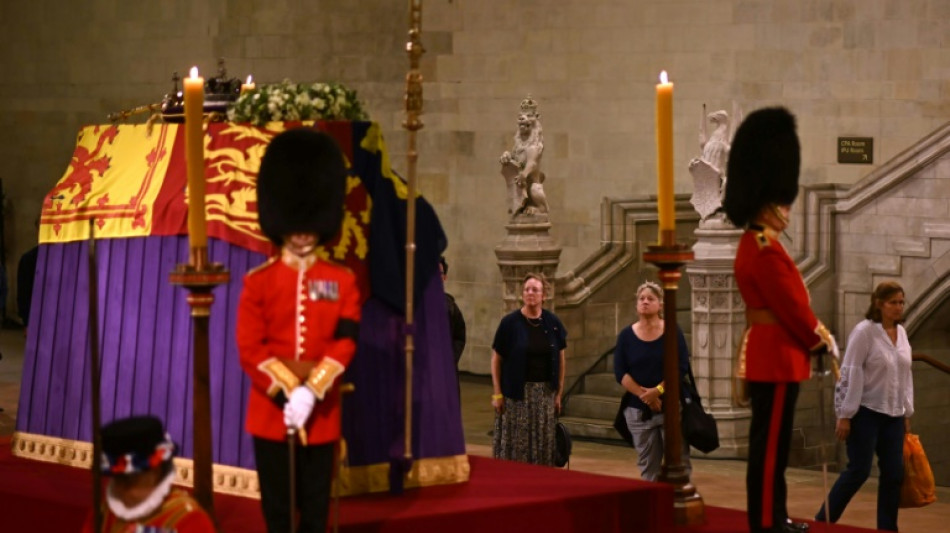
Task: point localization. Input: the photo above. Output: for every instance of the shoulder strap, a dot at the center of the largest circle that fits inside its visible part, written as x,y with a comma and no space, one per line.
693,392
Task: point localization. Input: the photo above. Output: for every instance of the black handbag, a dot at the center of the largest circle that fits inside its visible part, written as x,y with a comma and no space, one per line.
699,427
562,445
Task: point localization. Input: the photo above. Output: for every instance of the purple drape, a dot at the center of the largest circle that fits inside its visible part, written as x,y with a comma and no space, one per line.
145,343
373,421
146,355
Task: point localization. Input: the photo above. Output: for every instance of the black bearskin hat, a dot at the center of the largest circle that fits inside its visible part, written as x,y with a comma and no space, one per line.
134,445
301,186
763,167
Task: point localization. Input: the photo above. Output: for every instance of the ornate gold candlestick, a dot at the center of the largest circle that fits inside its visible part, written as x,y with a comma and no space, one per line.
669,256
200,277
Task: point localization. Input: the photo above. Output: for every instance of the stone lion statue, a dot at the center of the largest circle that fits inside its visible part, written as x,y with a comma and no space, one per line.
521,167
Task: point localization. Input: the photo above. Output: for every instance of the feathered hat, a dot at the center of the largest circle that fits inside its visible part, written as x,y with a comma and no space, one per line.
134,445
301,186
764,162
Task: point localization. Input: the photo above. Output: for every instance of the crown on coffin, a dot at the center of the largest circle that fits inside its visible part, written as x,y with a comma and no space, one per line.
220,91
221,87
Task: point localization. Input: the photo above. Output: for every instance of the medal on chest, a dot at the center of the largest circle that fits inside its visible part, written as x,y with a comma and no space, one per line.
323,289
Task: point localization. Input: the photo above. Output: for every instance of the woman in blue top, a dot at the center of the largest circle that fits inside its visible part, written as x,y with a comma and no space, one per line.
638,366
527,370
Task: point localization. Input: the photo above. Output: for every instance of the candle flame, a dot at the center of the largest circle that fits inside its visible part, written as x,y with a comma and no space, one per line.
249,79
193,73
663,78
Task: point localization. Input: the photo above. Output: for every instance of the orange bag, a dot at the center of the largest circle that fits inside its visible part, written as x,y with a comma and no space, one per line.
918,488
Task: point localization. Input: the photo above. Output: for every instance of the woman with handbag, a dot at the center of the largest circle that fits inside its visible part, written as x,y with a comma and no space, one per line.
527,370
638,366
874,400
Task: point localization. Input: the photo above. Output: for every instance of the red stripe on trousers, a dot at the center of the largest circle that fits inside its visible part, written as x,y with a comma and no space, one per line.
771,453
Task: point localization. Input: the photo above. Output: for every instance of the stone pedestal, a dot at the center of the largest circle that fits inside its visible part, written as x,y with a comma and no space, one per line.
718,324
527,248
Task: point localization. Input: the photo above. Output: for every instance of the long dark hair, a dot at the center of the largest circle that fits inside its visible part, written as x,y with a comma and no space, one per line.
882,292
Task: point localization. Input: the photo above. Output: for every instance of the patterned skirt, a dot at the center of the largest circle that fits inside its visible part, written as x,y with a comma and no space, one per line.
525,431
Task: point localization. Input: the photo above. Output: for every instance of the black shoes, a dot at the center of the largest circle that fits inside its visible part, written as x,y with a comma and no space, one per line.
794,527
787,527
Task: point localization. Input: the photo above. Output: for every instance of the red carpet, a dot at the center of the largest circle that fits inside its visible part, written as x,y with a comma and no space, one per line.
722,520
500,496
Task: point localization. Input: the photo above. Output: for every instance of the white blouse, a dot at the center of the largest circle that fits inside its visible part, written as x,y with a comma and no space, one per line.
875,373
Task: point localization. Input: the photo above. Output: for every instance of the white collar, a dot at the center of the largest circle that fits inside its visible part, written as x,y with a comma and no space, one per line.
146,506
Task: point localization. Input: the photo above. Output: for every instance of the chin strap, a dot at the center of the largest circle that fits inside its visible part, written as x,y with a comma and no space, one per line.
778,214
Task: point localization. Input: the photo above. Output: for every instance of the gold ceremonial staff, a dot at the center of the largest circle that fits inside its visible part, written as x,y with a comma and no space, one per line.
412,124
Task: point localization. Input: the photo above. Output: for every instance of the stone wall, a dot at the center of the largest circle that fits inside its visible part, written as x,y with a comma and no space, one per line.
931,400
875,68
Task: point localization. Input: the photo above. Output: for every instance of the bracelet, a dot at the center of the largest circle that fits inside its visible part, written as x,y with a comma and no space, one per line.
497,396
661,389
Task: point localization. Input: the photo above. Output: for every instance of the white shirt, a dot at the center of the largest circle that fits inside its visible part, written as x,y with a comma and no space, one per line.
875,373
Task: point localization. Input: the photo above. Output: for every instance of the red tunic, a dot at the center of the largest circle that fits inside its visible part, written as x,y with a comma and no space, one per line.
769,281
290,315
179,513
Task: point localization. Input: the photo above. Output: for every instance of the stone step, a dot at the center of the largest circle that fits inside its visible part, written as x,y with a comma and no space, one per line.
602,384
593,406
590,428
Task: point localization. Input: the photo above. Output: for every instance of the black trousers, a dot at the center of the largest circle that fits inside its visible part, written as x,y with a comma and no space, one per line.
773,411
314,468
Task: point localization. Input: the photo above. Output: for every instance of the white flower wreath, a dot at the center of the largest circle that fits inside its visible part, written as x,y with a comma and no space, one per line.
297,101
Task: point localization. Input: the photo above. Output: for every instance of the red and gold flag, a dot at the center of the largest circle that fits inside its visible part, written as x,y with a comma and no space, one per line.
114,176
132,180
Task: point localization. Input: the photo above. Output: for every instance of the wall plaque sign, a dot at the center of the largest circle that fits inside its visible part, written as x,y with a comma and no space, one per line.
859,150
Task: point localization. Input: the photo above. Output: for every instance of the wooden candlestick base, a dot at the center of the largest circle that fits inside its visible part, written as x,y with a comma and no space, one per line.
200,277
669,257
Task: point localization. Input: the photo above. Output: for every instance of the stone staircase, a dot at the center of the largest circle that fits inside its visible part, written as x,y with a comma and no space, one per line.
591,405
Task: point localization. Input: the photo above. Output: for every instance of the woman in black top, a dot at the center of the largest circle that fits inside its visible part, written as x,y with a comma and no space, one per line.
638,366
527,368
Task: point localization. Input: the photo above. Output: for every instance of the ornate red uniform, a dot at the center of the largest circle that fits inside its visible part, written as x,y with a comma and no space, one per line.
297,325
288,321
776,350
179,513
782,327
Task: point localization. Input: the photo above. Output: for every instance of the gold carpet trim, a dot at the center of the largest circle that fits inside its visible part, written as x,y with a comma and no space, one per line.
425,472
242,481
225,479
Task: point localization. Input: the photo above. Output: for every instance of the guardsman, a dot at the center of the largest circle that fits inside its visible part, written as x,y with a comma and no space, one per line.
297,326
782,329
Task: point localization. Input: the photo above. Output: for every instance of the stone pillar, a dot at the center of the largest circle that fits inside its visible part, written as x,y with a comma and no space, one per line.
718,324
527,248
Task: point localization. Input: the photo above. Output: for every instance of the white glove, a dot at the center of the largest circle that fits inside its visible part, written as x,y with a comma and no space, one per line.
833,347
828,340
297,410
